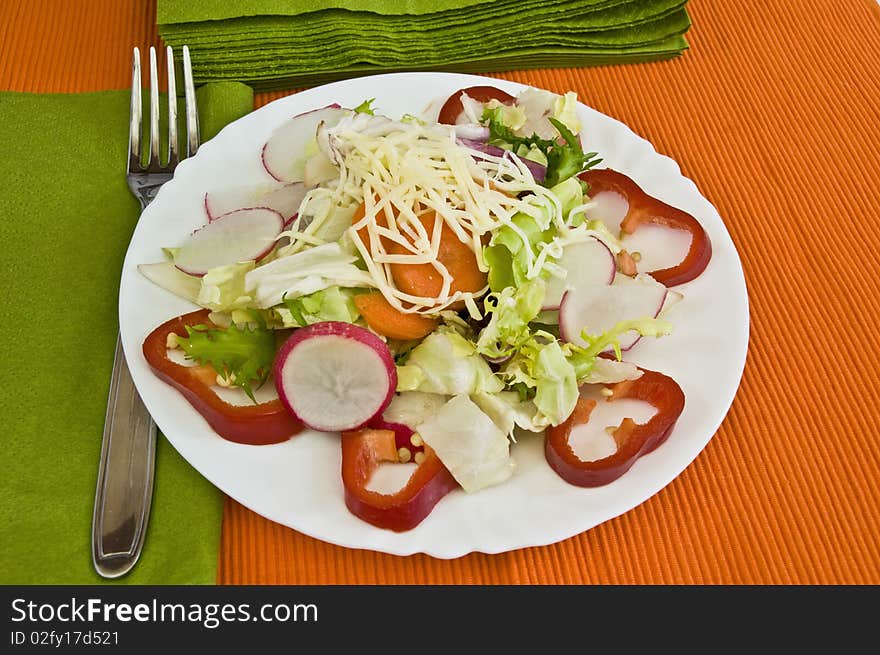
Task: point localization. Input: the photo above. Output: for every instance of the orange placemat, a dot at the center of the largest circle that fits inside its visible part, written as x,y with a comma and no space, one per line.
774,113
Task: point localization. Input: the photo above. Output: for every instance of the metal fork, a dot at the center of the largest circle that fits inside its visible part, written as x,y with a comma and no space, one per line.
125,474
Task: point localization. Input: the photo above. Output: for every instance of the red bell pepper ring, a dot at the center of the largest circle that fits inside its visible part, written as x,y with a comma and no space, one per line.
453,107
647,209
265,423
633,439
362,452
402,434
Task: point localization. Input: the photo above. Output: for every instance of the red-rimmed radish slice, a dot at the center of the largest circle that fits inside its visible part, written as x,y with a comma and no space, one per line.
672,299
597,308
284,154
228,199
285,199
239,236
586,263
335,376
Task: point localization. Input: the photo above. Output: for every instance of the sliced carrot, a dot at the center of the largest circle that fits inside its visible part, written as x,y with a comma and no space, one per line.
390,322
425,280
364,233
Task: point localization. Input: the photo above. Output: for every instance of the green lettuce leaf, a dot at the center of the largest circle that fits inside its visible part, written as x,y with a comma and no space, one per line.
565,111
583,359
331,304
508,255
171,278
564,154
541,372
242,356
366,107
556,389
510,310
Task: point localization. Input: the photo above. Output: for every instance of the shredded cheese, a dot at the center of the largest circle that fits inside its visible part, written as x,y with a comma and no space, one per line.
401,171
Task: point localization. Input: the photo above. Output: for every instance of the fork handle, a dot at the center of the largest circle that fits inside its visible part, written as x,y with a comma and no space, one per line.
125,476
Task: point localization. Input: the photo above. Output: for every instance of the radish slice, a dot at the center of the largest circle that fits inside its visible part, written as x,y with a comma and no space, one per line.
586,263
597,308
335,376
285,199
223,201
284,154
672,299
239,236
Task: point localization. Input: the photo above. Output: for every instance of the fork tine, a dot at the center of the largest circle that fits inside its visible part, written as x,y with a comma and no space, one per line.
153,153
134,123
173,146
192,115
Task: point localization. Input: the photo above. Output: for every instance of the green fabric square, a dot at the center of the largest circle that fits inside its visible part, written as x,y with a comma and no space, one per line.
275,43
66,217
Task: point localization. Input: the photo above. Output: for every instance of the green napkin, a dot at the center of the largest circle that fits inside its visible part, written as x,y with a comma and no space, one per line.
66,216
277,43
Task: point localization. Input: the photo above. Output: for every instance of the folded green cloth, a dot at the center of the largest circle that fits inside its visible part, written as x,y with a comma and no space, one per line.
276,43
66,217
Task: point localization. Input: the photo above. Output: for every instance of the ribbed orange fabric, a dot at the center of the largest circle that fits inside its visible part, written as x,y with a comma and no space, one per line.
774,112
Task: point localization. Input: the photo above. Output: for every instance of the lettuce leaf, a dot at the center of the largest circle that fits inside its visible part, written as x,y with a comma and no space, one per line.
241,355
511,311
542,370
583,359
556,388
446,363
304,273
222,288
508,255
331,304
366,107
563,151
509,411
470,445
565,111
412,408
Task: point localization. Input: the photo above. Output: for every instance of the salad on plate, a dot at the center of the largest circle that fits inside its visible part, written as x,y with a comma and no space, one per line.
432,288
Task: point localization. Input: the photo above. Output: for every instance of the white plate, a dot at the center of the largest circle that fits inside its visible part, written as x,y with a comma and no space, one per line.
298,483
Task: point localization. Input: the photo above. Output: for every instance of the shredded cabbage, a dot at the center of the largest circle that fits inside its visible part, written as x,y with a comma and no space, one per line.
222,288
304,273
